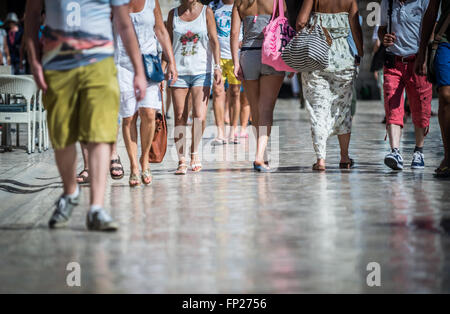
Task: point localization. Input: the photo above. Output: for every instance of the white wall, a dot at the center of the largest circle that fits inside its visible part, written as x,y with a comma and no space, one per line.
167,5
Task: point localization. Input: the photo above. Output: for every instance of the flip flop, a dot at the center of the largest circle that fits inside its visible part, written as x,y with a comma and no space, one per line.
83,179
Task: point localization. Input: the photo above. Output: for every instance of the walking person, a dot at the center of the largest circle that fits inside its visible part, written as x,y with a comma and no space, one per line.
14,42
192,29
399,74
329,92
81,93
4,51
222,12
149,26
261,82
441,68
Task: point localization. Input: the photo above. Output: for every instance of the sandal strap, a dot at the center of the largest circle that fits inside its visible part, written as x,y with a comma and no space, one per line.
134,177
83,171
116,161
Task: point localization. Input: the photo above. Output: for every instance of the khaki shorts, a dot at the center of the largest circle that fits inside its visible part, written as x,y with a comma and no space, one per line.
82,104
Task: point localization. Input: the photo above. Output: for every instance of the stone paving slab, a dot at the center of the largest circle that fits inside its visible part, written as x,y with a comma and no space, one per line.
229,230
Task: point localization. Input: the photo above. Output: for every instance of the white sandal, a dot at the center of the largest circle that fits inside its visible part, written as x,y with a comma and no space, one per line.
182,169
196,166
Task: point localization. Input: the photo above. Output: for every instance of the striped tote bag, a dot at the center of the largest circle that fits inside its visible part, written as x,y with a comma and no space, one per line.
309,50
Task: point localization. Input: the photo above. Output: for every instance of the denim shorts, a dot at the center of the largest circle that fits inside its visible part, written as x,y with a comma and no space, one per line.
187,81
442,65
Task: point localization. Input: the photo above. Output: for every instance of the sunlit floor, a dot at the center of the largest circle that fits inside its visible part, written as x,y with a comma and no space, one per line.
230,230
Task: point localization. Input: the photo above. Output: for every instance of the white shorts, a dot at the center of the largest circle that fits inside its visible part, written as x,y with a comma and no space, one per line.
129,106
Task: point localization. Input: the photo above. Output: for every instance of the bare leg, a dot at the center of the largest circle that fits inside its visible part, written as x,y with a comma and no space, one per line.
129,130
168,99
420,136
200,96
344,143
181,113
252,93
99,156
66,161
85,154
115,156
269,88
219,108
147,133
444,122
235,108
227,113
395,134
245,113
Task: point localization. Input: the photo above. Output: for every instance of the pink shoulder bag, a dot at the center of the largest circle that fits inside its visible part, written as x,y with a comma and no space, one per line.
276,37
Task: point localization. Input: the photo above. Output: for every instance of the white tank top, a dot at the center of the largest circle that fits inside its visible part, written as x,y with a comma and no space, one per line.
144,24
191,45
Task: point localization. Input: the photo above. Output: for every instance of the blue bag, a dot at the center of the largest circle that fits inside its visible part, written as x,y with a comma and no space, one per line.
153,68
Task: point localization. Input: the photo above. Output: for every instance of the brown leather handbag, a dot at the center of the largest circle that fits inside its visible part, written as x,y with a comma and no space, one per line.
159,145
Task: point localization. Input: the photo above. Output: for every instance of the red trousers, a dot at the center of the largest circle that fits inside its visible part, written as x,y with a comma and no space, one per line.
418,90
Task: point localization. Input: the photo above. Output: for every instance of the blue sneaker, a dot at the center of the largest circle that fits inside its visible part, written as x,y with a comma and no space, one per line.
418,161
394,160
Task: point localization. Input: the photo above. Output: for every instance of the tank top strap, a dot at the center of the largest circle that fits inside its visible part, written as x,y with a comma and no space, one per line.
205,7
151,4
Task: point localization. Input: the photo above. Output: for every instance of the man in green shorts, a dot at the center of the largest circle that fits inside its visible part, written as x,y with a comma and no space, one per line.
81,93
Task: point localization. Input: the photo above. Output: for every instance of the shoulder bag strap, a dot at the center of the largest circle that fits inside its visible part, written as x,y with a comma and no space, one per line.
391,8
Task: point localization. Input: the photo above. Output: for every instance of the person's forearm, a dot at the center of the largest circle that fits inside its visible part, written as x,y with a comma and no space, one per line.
428,24
234,43
215,47
31,35
166,44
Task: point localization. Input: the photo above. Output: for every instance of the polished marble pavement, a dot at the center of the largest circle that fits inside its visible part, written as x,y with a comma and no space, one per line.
230,230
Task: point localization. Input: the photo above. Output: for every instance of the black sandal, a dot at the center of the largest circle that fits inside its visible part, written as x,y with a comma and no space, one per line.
443,172
120,168
347,165
83,178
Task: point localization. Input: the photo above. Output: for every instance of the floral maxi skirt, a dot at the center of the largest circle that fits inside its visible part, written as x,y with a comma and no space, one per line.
328,97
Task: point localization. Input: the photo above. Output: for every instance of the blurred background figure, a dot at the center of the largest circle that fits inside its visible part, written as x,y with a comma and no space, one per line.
4,51
14,42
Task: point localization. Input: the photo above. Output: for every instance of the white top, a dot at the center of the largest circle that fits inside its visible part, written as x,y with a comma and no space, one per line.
222,14
144,25
191,45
